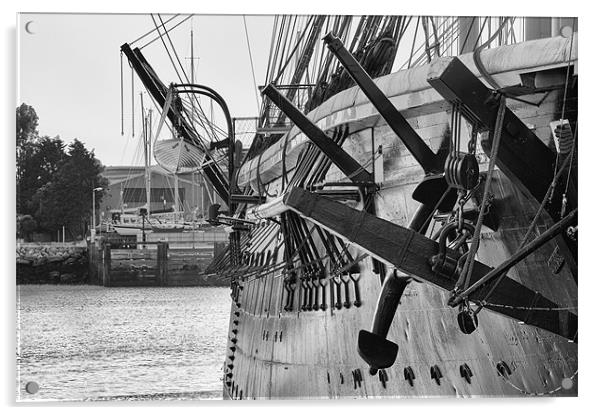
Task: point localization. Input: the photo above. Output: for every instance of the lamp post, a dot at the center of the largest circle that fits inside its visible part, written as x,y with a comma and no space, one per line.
93,230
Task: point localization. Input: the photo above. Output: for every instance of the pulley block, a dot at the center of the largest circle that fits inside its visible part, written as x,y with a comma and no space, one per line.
462,170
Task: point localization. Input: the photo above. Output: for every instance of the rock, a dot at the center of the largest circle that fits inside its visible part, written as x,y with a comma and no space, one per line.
54,258
54,276
39,261
68,278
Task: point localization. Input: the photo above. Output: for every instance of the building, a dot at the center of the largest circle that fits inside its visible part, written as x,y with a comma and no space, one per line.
127,190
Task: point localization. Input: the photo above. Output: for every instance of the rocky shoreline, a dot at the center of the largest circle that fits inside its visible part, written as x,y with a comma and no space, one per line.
52,264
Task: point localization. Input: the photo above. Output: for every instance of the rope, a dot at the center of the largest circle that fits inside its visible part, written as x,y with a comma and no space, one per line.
571,157
518,388
566,85
527,234
469,264
467,35
244,19
166,34
477,55
121,87
132,70
180,78
152,30
166,31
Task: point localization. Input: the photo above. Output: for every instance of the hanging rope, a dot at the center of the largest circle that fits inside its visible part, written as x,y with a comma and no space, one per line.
121,88
132,70
566,86
469,263
477,55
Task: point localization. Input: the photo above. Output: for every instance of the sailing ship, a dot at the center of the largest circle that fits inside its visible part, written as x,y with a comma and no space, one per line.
407,232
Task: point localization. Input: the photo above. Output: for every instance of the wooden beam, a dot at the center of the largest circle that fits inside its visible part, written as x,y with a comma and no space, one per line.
522,156
414,143
410,252
339,157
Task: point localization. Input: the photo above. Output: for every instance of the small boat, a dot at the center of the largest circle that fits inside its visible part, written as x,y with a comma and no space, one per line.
130,224
168,227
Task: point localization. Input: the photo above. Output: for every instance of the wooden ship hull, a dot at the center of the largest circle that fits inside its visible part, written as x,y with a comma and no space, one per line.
407,234
307,348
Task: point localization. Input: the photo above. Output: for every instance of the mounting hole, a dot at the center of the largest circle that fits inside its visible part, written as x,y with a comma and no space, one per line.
566,31
33,387
567,383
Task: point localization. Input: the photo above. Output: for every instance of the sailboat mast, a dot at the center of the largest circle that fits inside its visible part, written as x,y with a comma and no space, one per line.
145,142
147,182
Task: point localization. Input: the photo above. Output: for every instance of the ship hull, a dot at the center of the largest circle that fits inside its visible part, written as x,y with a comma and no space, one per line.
296,353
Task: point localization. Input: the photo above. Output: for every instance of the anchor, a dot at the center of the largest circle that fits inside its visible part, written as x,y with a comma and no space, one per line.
373,345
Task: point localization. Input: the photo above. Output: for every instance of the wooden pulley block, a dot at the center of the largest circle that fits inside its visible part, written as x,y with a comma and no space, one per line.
462,171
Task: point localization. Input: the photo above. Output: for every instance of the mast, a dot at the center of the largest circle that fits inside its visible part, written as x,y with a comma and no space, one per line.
149,130
192,81
146,142
159,93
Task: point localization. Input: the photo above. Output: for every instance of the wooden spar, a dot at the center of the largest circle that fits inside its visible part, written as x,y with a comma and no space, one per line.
339,157
434,185
415,145
522,156
159,93
410,252
558,227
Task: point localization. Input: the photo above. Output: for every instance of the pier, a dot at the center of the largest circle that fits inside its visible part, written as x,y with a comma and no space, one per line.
152,264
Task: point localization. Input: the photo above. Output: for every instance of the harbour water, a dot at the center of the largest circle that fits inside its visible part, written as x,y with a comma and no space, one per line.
94,343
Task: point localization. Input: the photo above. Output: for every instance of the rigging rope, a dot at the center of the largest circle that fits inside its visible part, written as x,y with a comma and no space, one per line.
167,31
216,166
166,34
151,31
132,71
244,19
566,85
571,157
527,234
469,263
121,87
477,54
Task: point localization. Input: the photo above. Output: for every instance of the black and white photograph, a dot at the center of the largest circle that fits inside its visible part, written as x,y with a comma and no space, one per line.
283,206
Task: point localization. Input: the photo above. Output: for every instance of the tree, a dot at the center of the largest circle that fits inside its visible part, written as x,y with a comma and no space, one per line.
25,226
67,199
27,124
54,187
38,163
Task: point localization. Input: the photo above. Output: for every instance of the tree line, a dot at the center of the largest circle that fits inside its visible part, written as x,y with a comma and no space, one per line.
54,181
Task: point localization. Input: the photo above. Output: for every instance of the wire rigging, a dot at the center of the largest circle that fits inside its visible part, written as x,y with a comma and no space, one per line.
244,19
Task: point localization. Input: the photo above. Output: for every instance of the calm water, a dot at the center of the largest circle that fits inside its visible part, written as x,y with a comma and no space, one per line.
88,342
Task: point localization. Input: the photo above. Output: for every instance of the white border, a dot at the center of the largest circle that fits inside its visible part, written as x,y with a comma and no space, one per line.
589,161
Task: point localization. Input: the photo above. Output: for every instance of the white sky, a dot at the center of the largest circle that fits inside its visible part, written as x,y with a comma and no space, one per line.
69,71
